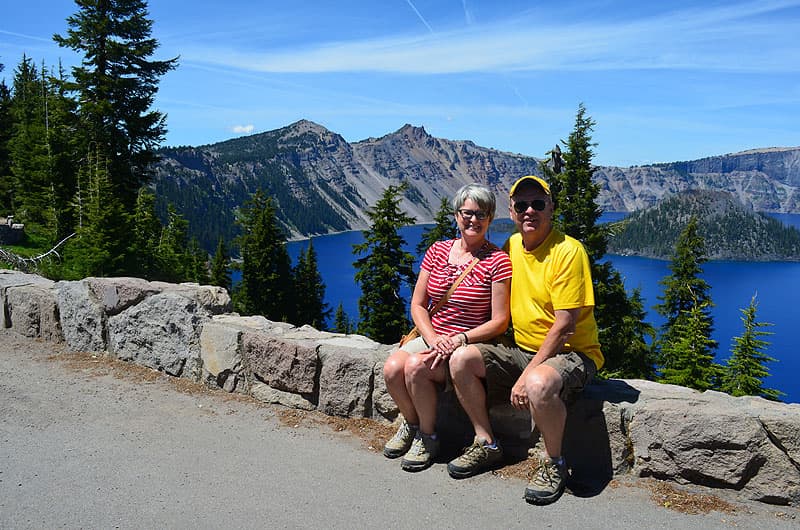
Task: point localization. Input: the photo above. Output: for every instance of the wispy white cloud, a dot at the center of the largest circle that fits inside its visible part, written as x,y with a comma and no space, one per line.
243,129
419,15
740,37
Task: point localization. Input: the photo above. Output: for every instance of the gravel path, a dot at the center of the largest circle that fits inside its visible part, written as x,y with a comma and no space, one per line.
84,444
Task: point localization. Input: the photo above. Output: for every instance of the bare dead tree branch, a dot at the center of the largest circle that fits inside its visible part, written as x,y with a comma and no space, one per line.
30,264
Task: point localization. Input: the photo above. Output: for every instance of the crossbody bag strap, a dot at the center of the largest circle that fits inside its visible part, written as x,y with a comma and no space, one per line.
443,300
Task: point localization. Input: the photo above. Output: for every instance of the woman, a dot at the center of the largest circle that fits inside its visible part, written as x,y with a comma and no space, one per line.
477,311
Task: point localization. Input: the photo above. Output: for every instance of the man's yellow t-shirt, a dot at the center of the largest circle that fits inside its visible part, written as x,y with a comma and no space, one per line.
556,275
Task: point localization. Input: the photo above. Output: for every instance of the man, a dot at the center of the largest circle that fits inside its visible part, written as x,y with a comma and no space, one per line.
555,350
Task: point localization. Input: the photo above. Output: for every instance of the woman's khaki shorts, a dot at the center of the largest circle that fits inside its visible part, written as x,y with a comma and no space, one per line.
505,363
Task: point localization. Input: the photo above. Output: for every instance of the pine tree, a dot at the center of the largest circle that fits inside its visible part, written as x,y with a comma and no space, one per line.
146,234
744,372
117,83
173,263
266,283
309,290
341,322
220,266
623,335
686,307
382,269
29,154
689,356
445,227
98,249
196,263
684,288
6,125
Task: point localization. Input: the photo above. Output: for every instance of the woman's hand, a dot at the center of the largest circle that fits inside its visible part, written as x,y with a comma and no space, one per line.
442,346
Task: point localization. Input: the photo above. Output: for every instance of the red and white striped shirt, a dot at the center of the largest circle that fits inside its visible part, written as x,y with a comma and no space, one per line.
471,303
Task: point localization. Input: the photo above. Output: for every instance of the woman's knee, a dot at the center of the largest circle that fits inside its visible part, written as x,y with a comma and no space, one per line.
394,367
466,359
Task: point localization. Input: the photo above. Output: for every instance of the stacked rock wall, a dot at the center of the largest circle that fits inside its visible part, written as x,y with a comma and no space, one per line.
746,444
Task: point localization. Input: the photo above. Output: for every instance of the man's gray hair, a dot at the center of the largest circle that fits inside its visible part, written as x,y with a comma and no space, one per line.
478,193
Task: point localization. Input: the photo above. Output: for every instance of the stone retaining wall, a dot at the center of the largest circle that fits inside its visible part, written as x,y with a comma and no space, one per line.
745,444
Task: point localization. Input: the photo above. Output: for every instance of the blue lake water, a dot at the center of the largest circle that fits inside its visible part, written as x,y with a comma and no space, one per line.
733,283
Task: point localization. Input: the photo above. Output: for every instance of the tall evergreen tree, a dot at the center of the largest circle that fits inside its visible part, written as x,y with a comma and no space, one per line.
382,269
6,129
684,288
98,249
173,262
341,322
744,373
146,235
688,358
196,263
266,283
686,308
309,291
445,227
117,82
623,335
220,266
29,153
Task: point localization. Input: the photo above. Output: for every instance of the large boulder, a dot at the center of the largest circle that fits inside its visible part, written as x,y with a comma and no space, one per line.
11,279
161,332
33,312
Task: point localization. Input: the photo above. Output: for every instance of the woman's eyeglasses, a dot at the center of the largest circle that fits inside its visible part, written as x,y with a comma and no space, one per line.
536,204
480,215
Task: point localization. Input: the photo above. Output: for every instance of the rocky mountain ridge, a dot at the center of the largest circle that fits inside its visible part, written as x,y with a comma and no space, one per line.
321,183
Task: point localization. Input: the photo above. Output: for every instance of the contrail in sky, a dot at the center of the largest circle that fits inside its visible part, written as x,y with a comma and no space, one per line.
420,15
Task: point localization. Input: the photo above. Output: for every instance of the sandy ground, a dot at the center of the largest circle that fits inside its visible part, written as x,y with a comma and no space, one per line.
89,442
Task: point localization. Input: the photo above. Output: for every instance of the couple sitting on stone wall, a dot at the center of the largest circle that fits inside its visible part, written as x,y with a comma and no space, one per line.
553,354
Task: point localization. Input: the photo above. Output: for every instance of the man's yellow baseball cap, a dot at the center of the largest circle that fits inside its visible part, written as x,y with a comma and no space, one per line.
533,179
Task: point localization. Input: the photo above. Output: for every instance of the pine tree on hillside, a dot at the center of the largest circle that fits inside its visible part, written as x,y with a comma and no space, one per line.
684,288
744,373
341,323
6,125
98,249
117,82
445,227
686,307
382,269
146,234
172,253
29,152
688,358
309,291
622,332
266,283
220,266
196,263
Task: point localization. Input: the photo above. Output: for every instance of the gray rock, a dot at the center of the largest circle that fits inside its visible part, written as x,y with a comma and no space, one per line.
32,311
83,318
267,394
346,380
220,351
281,363
162,332
8,279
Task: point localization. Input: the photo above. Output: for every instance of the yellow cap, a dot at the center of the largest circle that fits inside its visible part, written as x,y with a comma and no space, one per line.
538,181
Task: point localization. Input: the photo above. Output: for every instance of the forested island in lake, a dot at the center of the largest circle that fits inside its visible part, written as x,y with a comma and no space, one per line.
730,230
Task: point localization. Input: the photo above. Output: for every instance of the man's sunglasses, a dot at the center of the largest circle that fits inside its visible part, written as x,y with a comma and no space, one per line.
536,204
469,214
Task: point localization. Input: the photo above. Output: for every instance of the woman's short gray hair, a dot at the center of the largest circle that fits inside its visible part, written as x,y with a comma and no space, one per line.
478,193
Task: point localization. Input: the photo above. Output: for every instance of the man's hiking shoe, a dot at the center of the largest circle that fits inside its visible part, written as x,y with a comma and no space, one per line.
476,458
399,444
547,483
421,454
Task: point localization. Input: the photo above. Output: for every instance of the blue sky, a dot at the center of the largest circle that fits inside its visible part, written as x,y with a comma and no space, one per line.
665,81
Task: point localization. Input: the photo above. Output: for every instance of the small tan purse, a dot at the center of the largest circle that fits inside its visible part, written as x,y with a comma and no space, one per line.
414,333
